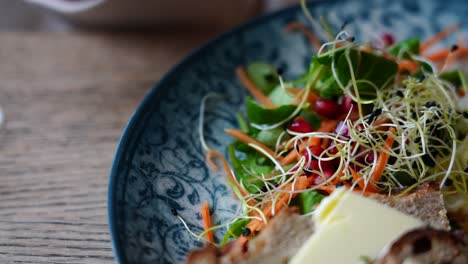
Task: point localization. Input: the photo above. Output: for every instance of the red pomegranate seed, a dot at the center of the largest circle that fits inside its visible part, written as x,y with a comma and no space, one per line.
327,173
316,150
388,39
346,104
369,158
327,108
300,126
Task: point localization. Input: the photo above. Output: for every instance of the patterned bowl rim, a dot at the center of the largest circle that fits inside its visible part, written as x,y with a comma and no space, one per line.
131,129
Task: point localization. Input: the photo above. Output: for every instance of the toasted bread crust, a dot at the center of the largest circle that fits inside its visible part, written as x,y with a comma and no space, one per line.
287,231
425,246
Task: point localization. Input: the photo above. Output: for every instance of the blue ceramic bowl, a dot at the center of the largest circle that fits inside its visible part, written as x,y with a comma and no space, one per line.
159,163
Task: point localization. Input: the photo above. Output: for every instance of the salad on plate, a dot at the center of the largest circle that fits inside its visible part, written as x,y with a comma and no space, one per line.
385,121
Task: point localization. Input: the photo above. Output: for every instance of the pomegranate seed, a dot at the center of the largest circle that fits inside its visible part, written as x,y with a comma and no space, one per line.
316,150
370,157
327,173
346,104
327,108
388,39
300,126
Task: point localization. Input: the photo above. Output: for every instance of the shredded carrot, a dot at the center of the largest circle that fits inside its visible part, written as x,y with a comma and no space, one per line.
461,91
325,143
437,37
307,32
439,55
382,160
295,91
301,183
407,65
327,188
381,121
357,177
246,139
206,217
253,89
209,157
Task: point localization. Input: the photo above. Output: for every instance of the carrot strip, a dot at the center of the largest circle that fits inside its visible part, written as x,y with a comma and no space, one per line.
209,157
357,177
381,121
307,32
327,188
439,55
205,213
325,143
246,139
407,65
437,37
253,89
382,160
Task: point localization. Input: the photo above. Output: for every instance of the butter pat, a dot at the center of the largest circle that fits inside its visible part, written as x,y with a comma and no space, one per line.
350,226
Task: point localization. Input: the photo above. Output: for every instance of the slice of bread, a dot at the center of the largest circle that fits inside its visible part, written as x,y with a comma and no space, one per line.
287,231
424,246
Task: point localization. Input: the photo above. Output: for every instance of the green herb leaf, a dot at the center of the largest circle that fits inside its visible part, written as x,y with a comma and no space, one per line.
311,117
366,66
243,124
280,97
250,162
306,200
259,115
263,75
410,47
270,136
456,77
235,230
404,178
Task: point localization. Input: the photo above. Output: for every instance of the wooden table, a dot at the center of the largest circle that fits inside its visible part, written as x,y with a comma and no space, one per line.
67,98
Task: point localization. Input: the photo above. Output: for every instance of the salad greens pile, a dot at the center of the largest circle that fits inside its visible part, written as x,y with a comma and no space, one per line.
374,117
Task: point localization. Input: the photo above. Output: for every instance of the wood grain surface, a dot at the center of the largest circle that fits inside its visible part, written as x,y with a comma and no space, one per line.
67,98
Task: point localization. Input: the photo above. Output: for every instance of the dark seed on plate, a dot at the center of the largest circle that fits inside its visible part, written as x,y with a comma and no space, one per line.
454,47
280,71
174,211
246,232
400,93
392,160
430,104
422,245
448,182
377,112
371,118
428,160
339,184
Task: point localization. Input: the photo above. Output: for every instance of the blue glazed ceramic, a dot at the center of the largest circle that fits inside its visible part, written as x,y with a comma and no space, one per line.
159,163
